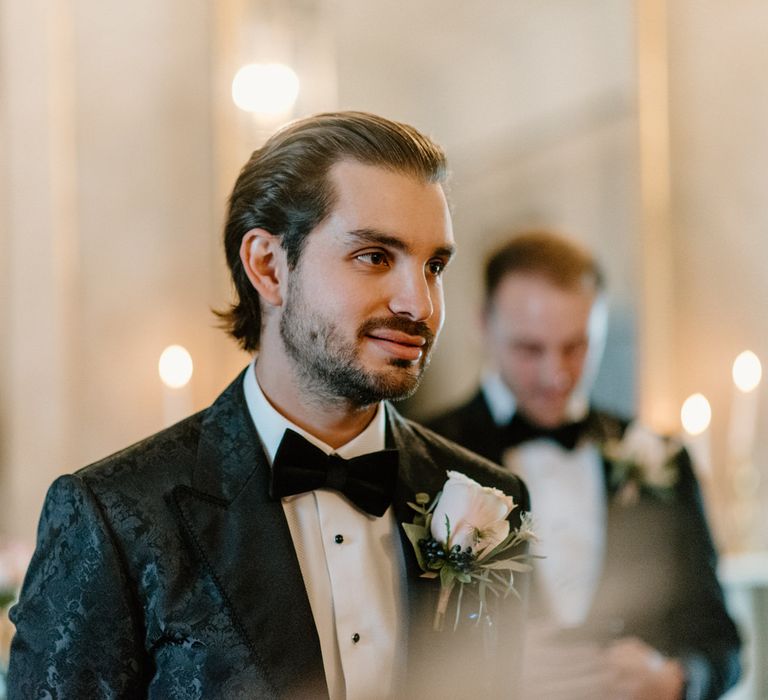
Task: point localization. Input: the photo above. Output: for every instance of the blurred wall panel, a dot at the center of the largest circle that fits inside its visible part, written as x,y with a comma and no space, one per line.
111,227
39,254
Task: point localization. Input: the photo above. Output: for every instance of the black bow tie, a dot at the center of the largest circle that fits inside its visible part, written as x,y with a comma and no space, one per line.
520,430
368,480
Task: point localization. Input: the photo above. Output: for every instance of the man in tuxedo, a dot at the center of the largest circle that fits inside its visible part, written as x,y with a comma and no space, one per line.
626,600
254,550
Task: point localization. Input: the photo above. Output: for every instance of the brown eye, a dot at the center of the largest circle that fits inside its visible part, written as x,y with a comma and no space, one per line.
436,267
375,258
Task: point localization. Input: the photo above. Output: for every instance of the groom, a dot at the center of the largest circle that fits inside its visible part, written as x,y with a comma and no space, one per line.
229,556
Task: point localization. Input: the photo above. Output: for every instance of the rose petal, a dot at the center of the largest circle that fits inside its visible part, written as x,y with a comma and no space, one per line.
492,536
473,513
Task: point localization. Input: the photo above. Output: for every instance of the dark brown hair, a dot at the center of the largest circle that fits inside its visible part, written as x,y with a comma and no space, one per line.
284,189
556,258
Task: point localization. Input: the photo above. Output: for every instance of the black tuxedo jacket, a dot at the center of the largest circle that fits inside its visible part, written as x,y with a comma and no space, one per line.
659,575
167,571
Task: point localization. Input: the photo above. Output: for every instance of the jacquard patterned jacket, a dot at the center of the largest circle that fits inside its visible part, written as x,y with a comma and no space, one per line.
167,571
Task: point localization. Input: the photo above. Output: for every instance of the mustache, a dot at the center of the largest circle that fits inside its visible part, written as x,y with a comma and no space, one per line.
398,323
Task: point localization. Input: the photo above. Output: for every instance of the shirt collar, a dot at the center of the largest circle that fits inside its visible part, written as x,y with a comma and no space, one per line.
502,403
271,424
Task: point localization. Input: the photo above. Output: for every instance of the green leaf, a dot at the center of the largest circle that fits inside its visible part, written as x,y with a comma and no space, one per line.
483,604
434,503
447,576
508,565
414,533
458,608
512,539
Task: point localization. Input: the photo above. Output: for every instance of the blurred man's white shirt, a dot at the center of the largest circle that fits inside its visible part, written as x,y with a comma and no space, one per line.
568,504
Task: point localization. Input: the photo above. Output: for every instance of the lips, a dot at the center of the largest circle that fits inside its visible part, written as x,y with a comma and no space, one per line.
398,344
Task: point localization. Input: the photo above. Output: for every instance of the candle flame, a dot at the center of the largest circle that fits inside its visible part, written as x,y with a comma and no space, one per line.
747,371
695,414
175,366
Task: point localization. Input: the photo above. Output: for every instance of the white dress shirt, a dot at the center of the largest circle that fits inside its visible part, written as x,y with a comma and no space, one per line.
351,562
567,490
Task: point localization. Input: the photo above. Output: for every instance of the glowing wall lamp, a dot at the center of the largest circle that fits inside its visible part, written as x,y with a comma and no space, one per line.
265,89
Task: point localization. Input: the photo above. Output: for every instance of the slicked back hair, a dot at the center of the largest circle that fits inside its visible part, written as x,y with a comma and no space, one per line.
285,189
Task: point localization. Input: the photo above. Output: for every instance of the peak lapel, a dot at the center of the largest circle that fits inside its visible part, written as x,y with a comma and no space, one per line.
417,473
242,537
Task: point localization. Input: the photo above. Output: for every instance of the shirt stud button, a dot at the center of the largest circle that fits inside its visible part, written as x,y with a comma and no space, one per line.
338,539
355,638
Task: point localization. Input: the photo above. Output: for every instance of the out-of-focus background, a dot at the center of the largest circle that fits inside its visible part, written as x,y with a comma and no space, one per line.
639,127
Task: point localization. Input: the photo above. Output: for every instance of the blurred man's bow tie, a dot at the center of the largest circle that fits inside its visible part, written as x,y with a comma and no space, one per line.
368,480
520,430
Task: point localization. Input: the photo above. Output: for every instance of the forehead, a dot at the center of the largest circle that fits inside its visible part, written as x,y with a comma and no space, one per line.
530,304
374,197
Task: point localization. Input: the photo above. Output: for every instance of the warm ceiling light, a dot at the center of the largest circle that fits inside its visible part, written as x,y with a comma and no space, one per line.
268,89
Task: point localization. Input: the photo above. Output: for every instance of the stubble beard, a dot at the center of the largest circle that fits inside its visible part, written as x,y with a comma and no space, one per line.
329,367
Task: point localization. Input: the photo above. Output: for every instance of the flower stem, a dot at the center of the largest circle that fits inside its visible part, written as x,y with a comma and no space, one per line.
442,606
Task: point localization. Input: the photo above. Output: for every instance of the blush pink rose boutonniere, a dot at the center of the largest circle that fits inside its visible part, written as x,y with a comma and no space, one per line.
463,538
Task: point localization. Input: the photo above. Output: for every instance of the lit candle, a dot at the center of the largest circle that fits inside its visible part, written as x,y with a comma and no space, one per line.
175,369
743,478
747,373
696,415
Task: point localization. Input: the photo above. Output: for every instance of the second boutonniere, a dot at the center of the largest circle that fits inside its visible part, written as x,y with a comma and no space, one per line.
463,538
642,460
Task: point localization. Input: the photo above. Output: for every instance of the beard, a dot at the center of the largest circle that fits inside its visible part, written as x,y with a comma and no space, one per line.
329,366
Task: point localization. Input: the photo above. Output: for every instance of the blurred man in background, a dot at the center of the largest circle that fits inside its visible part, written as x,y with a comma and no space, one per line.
627,603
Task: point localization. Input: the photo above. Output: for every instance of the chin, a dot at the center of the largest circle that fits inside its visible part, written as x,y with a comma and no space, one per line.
396,376
549,419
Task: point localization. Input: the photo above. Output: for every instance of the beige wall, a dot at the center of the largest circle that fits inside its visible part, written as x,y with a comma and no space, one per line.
110,230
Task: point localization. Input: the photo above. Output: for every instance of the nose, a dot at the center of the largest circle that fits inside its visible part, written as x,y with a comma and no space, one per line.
555,373
412,296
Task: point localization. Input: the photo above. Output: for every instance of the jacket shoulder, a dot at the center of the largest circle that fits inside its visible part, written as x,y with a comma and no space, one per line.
161,460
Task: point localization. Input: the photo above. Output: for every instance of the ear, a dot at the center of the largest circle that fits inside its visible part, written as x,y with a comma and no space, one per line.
264,262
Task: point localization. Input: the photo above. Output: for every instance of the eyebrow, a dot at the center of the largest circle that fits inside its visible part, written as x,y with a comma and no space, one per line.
370,235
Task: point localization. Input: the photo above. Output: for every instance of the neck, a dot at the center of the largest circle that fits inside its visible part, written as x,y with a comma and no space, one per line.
335,422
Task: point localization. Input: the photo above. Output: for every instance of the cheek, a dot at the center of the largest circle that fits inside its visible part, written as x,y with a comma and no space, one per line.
438,316
521,370
331,296
576,362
